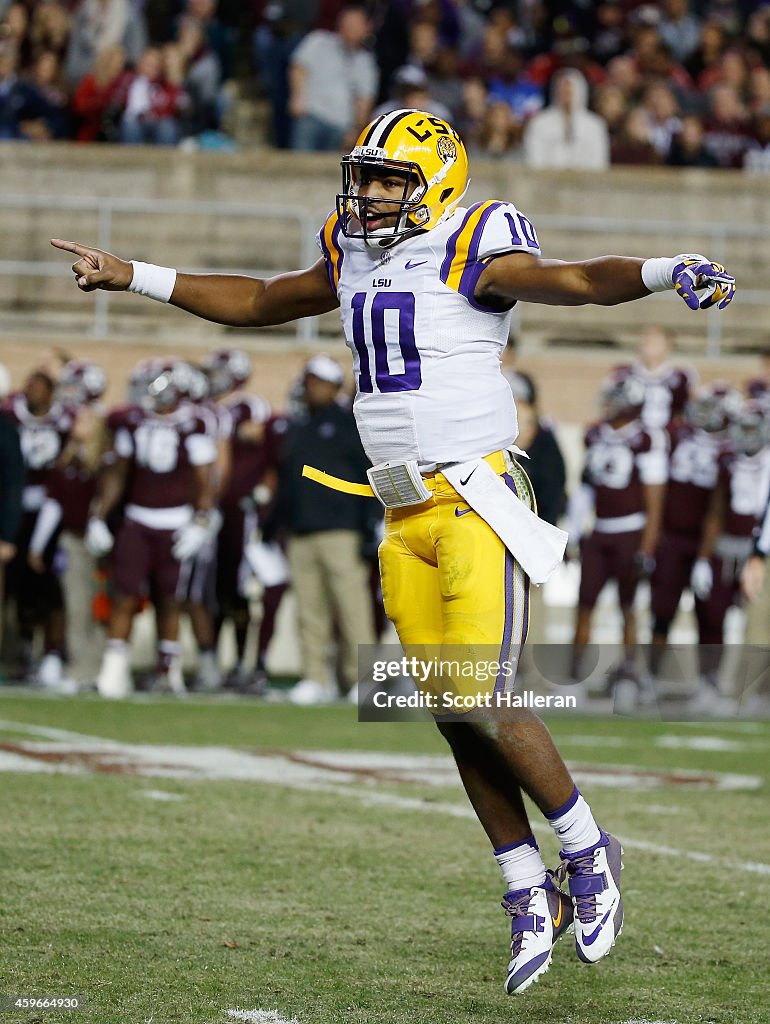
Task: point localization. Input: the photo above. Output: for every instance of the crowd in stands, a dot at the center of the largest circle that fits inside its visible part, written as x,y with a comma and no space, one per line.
113,70
684,83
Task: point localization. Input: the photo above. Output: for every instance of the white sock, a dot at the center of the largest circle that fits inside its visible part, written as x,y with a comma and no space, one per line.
574,824
521,864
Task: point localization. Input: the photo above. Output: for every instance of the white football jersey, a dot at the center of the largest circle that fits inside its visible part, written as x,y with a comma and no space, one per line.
426,354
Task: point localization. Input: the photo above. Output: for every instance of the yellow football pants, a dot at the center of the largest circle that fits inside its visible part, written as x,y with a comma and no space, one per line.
453,590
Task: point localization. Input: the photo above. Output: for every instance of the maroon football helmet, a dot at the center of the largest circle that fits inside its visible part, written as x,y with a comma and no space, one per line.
621,394
712,405
168,382
226,369
749,428
80,383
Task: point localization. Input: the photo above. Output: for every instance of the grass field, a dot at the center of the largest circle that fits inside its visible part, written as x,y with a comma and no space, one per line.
172,862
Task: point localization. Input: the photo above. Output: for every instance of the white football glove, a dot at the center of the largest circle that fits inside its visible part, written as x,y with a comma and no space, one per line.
190,539
702,578
98,539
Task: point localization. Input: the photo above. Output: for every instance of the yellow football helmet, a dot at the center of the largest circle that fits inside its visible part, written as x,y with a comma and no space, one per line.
417,146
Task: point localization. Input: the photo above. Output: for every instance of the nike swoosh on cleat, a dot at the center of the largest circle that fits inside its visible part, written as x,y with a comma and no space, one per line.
589,940
557,920
410,264
461,512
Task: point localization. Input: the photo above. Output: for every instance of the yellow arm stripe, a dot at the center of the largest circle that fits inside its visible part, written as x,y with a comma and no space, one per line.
463,244
331,247
364,490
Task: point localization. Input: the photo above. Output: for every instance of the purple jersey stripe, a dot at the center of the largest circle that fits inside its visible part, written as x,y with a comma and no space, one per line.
510,567
470,274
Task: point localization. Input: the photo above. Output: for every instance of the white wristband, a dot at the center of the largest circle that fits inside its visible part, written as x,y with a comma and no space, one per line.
154,282
656,273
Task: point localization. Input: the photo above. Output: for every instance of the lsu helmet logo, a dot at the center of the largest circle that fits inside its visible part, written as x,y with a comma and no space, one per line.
446,148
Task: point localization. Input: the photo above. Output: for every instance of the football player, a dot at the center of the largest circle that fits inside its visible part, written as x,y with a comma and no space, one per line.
625,468
44,427
425,289
666,387
70,490
255,434
196,590
163,454
696,444
738,503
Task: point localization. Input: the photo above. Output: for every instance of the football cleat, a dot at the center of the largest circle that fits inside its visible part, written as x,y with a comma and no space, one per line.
114,679
208,678
539,916
593,876
309,691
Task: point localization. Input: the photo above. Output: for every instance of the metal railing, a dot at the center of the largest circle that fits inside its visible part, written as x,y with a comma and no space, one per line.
716,237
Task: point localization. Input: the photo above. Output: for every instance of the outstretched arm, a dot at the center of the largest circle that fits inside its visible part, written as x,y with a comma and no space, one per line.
605,281
223,298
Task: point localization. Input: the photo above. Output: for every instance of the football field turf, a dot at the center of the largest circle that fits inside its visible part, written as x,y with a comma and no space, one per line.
210,861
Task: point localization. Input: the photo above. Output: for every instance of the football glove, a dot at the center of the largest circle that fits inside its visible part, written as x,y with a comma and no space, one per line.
98,539
702,579
190,540
701,283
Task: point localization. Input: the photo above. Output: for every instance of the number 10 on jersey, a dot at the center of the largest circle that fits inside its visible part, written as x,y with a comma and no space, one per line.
390,319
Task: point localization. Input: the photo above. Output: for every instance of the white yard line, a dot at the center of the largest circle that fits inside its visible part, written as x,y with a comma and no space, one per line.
30,729
715,744
637,1020
161,795
261,1017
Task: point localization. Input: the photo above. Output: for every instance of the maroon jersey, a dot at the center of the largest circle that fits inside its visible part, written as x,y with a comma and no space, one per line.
618,464
693,471
747,478
666,391
42,437
163,451
74,488
251,459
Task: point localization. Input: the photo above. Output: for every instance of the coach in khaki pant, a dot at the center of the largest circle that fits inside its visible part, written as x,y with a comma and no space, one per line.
326,532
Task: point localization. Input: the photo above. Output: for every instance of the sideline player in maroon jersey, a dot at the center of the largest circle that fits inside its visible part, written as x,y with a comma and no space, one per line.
737,504
44,427
666,387
70,490
162,475
626,468
255,443
196,590
696,445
